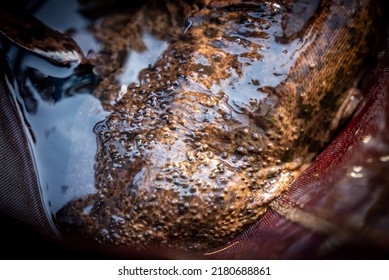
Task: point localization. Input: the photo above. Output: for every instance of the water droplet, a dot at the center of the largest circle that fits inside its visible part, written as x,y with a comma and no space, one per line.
253,101
221,167
255,136
190,157
224,155
118,220
164,117
169,178
137,154
241,150
223,180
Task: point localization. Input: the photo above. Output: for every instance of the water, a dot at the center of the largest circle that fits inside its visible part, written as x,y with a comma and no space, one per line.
185,127
59,106
59,112
62,139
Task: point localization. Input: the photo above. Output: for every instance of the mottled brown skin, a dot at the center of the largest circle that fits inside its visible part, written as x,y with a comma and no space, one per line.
31,34
179,164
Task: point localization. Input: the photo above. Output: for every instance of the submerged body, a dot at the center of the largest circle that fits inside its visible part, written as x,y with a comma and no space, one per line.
236,105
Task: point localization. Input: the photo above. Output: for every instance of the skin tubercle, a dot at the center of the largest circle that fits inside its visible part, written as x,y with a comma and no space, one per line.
194,153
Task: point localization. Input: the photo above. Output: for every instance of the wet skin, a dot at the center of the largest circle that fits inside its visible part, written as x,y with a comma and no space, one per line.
233,110
31,34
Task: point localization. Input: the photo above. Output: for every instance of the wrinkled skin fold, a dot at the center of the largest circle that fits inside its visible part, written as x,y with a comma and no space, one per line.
207,151
337,208
198,150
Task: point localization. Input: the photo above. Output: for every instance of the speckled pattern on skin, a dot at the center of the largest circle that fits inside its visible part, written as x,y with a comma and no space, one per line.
29,33
193,154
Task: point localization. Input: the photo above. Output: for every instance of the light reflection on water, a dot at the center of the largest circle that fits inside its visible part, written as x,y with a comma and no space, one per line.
64,142
60,112
60,109
137,61
61,125
63,122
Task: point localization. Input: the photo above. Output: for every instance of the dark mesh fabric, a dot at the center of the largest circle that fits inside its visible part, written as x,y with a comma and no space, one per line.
19,191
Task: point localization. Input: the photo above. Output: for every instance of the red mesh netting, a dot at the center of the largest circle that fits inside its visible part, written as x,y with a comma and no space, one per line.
338,208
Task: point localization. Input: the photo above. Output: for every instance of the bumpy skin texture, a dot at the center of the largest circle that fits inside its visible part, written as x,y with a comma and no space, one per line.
194,154
337,208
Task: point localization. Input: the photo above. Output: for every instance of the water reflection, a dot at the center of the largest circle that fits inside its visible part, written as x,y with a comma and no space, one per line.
196,132
60,112
60,106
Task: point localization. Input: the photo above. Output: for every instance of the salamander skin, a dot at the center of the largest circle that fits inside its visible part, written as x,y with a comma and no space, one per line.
240,101
28,32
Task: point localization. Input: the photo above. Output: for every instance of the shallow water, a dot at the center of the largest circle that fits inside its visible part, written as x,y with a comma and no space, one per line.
59,112
59,108
64,114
